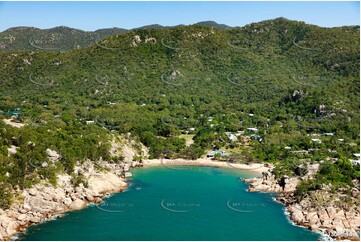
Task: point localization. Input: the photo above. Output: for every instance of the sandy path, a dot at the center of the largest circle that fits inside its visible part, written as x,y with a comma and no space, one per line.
14,124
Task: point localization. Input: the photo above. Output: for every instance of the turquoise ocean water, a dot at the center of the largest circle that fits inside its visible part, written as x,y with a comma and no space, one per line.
182,203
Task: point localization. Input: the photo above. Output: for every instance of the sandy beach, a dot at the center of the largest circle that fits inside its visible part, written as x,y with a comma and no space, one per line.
255,167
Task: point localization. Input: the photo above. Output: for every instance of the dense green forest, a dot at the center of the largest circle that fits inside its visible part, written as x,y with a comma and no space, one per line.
289,80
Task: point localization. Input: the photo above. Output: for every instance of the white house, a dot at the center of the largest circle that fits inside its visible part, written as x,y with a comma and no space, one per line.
358,159
239,133
313,135
317,140
252,130
231,136
216,152
312,149
328,134
90,122
299,151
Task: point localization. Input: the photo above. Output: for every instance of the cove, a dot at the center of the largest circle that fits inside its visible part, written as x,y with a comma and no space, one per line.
178,203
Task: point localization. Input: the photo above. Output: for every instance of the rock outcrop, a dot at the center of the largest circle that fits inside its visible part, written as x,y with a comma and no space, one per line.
335,215
43,202
77,204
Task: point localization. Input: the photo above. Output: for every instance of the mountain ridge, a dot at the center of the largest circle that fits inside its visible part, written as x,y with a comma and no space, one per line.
205,23
149,26
66,38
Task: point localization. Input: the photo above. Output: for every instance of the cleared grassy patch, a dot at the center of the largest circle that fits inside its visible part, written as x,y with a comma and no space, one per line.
188,138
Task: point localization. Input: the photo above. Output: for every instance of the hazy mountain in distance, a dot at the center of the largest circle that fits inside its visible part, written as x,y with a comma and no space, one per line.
214,25
62,38
153,26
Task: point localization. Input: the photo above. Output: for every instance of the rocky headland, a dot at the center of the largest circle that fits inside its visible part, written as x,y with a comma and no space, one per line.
45,201
335,214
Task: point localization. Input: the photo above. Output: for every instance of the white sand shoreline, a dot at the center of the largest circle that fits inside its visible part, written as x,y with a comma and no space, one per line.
254,167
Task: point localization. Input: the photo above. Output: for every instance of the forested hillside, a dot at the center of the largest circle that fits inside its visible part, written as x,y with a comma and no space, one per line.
55,39
288,80
63,38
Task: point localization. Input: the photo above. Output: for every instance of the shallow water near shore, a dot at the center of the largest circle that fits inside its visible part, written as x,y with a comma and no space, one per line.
178,203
